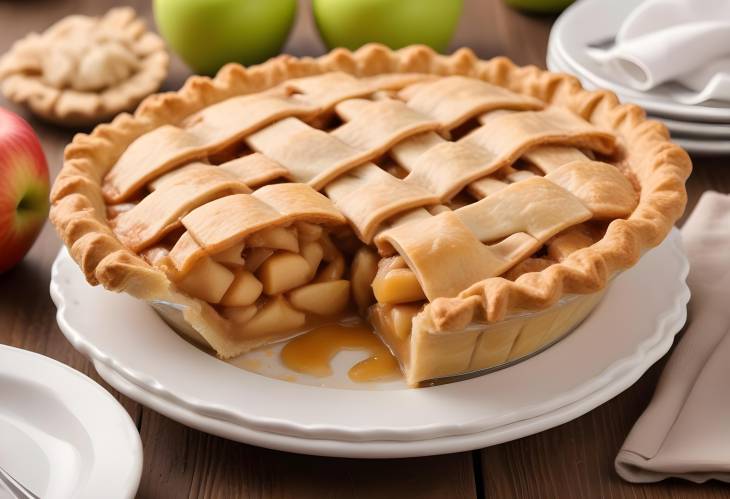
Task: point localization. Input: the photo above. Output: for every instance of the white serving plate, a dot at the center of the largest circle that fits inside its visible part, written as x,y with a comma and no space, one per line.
695,137
576,29
141,356
61,434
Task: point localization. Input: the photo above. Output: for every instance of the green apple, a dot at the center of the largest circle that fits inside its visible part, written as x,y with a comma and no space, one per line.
207,34
395,23
540,6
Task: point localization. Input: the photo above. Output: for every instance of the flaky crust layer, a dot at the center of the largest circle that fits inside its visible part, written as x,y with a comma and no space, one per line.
659,167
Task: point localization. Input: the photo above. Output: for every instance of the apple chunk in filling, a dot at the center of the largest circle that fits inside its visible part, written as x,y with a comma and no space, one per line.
276,316
283,271
277,238
396,285
244,290
231,256
322,298
255,257
363,270
312,253
239,315
207,280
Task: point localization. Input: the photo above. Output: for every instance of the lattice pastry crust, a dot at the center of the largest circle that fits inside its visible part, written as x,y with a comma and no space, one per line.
487,189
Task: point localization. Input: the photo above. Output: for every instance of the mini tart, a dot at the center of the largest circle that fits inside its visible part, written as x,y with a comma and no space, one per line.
447,199
83,70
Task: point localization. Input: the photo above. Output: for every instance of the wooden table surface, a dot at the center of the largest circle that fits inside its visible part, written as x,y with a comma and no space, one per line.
573,460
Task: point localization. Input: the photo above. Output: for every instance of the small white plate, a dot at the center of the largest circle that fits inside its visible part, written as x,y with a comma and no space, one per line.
61,434
139,355
696,138
576,29
700,130
704,147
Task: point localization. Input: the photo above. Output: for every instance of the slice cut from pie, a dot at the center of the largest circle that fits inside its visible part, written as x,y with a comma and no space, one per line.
472,211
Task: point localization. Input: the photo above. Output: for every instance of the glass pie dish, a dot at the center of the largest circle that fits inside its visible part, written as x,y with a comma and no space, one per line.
446,356
449,356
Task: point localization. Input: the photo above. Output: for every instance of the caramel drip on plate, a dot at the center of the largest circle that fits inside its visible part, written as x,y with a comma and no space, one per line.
312,352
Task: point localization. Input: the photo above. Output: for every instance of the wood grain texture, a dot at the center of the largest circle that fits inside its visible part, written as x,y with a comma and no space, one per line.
573,460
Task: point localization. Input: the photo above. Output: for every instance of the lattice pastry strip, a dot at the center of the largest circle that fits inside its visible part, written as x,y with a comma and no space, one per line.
440,166
255,169
327,90
600,187
510,134
536,206
455,99
252,169
486,187
222,223
366,194
505,176
447,257
526,213
211,129
310,155
570,241
160,212
549,158
376,126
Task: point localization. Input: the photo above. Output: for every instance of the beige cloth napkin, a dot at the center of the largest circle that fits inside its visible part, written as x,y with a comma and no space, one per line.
685,430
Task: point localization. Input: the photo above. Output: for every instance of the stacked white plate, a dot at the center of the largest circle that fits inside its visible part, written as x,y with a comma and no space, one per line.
700,129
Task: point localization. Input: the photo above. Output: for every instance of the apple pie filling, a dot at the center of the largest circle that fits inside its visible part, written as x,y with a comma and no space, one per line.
269,283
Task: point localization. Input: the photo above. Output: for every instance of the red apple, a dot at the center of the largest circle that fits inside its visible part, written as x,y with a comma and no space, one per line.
23,188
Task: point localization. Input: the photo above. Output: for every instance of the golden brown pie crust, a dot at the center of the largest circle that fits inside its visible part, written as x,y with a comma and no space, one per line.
658,167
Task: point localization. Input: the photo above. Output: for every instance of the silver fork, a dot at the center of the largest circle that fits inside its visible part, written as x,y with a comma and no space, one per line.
15,487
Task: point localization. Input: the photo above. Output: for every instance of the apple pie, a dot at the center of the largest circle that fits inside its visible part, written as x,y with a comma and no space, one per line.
83,70
471,210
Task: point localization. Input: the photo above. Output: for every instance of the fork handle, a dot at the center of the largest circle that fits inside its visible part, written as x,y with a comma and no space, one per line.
15,487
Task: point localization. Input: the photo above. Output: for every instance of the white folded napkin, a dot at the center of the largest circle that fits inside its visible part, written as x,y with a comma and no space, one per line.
685,430
687,41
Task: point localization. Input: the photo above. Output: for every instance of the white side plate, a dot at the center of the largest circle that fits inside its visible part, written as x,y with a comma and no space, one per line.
697,129
138,354
61,434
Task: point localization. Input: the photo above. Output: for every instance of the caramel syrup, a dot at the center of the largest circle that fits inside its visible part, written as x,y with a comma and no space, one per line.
312,352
